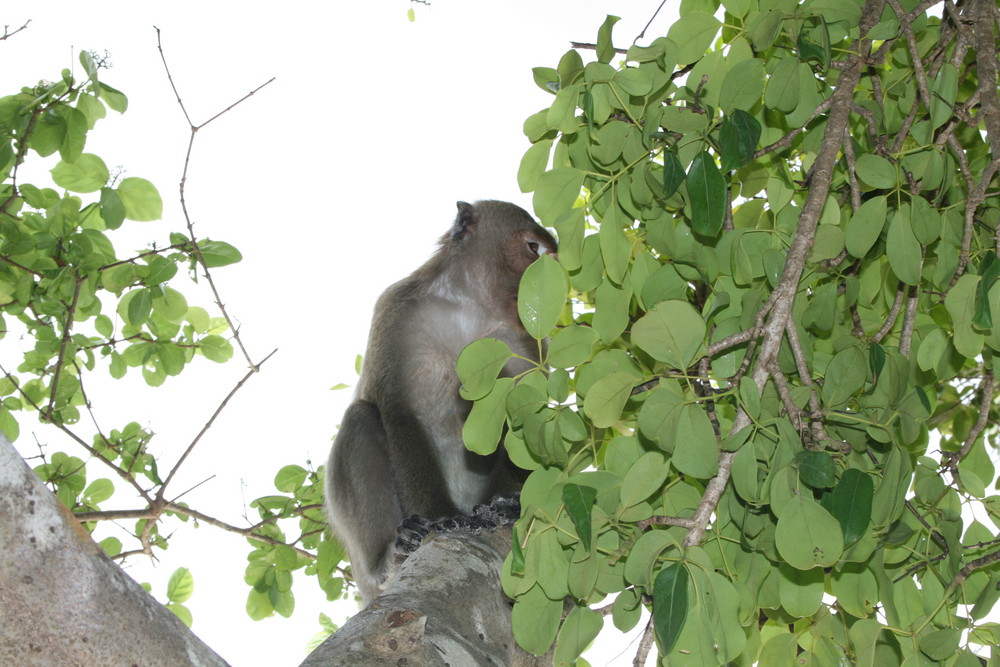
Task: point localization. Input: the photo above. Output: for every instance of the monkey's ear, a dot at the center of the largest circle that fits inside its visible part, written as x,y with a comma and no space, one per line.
465,220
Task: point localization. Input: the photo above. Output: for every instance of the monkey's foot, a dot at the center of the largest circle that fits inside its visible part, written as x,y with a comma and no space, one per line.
414,529
411,533
503,510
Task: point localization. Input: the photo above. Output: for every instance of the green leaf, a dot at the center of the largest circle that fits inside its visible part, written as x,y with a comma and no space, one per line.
557,191
572,346
290,478
484,425
137,305
533,165
865,226
218,253
876,171
738,139
112,209
535,620
817,469
961,305
696,452
606,399
605,48
579,630
670,604
845,374
851,503
707,190
645,477
542,296
98,491
87,173
216,348
782,93
672,332
479,365
743,86
141,199
807,535
673,174
579,502
114,98
180,586
693,34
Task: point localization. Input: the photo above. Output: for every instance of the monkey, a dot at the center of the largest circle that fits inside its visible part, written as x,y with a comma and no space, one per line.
398,460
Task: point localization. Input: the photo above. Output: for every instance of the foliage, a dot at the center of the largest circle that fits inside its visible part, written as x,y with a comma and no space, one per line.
771,392
86,307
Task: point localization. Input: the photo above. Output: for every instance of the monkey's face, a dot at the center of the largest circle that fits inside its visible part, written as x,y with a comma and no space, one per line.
524,246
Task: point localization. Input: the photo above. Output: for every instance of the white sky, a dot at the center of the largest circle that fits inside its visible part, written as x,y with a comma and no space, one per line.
334,181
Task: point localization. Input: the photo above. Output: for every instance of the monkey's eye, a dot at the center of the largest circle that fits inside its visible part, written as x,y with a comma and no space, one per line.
537,248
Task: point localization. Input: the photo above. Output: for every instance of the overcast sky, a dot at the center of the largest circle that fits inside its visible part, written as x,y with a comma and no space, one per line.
334,181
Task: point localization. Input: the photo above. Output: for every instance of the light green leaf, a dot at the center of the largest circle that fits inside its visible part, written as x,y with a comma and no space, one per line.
290,478
484,425
807,535
87,173
556,193
693,34
141,199
533,165
479,365
579,630
541,296
180,586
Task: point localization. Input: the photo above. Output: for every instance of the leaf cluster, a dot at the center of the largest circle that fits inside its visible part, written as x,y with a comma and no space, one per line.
770,395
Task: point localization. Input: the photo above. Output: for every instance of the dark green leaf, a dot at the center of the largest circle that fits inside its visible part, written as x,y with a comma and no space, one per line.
673,174
851,503
579,502
670,604
816,469
707,190
738,139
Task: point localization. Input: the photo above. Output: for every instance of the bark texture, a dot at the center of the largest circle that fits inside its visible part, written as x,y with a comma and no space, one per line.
63,601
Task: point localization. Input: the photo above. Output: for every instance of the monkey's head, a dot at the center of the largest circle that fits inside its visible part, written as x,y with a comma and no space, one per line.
500,237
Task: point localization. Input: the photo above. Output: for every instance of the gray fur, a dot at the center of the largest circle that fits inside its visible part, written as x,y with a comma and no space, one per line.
399,451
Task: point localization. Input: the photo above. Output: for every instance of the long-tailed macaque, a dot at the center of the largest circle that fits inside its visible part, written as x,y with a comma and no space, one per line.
399,451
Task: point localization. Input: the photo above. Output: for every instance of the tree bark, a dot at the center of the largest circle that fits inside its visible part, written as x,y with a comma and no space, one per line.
63,601
446,607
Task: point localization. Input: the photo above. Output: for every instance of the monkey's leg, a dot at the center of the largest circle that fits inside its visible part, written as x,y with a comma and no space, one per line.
363,506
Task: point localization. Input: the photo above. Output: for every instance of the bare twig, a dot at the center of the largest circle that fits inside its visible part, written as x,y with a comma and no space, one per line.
204,429
7,32
183,182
